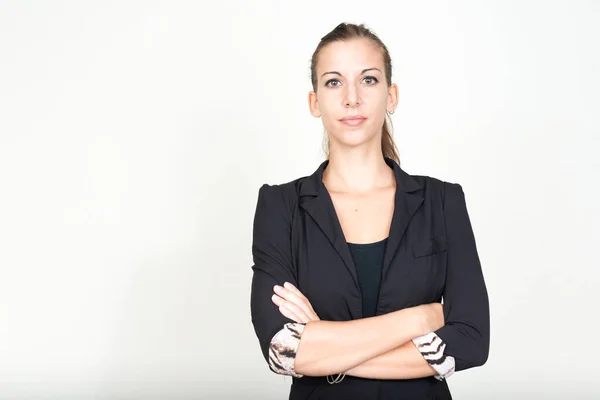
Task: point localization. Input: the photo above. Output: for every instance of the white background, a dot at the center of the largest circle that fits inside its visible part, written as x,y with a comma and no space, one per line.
134,137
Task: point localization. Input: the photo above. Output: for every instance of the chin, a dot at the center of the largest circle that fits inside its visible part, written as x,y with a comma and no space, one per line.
351,137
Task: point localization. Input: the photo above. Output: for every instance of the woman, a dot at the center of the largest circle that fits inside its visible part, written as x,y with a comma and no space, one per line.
351,263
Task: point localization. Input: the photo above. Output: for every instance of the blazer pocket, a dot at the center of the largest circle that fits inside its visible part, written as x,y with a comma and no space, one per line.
429,247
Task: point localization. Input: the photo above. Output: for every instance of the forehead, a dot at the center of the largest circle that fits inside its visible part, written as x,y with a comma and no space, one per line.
350,56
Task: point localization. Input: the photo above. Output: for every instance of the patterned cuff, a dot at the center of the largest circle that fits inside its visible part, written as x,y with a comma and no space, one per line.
432,348
283,347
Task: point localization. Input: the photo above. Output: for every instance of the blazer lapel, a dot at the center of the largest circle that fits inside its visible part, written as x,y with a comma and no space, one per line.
315,200
406,203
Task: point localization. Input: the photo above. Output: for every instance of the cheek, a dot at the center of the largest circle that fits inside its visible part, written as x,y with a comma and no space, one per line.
329,114
329,123
380,101
329,103
377,120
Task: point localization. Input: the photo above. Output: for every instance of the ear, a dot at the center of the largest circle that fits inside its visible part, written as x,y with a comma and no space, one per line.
313,104
392,102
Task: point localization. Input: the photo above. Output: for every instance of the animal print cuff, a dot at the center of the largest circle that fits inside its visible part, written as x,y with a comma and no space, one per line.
283,347
432,349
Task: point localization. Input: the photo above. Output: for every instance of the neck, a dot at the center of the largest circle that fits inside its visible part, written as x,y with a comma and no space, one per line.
357,171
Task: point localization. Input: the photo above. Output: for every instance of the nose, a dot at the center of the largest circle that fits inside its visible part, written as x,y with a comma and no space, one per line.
351,96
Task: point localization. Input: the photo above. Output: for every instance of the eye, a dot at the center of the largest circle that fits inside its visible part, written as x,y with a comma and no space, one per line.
370,80
331,81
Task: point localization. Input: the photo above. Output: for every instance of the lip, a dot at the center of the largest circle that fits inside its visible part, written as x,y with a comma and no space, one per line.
353,120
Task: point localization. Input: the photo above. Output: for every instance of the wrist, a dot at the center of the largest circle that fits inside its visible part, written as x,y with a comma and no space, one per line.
414,320
421,322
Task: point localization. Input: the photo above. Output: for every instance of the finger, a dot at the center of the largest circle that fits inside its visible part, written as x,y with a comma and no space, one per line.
301,295
298,311
294,289
297,292
292,308
293,298
277,300
289,314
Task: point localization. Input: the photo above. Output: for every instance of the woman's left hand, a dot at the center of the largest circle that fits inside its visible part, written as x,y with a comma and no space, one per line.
293,304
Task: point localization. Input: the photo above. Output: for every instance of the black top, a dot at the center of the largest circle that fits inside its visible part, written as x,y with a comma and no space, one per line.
368,259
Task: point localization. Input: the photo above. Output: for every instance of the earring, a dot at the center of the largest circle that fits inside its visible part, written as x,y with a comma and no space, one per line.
391,112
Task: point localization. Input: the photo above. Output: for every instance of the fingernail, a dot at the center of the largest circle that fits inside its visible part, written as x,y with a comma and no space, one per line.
277,288
287,285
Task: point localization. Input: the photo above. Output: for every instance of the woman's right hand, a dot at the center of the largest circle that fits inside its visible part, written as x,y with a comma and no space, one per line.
431,316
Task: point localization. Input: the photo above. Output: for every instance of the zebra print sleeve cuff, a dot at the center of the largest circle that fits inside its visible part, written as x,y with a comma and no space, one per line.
432,348
283,347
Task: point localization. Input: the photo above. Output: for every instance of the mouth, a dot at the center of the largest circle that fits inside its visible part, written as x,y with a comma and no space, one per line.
353,120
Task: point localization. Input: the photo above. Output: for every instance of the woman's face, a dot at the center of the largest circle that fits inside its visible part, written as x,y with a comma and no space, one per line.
352,95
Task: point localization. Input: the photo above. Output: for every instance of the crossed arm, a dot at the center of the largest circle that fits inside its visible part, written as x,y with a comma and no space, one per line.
378,347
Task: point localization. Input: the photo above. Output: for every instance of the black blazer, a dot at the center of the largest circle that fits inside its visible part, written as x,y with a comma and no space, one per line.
430,255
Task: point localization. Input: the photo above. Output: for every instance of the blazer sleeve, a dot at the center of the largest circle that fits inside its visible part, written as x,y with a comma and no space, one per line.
466,332
432,348
278,335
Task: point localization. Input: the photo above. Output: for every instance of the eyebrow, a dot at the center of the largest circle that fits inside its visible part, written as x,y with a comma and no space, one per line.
362,72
